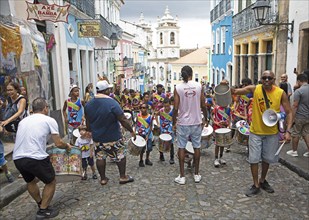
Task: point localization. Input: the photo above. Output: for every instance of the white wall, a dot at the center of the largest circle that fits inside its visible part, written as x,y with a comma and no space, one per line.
298,12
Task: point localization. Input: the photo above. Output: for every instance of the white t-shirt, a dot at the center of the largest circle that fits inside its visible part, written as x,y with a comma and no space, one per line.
31,136
84,146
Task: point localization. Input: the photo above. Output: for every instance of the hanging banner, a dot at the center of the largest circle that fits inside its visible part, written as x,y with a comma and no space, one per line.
89,29
43,12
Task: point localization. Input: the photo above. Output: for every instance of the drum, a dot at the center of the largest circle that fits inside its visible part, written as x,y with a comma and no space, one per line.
136,147
129,116
242,123
165,142
207,131
67,165
243,135
189,152
156,129
223,137
76,135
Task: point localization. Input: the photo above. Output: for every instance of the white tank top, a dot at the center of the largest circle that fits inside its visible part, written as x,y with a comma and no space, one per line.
189,111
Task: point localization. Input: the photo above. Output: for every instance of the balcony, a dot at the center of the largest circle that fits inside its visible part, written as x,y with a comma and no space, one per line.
245,21
220,9
86,6
107,28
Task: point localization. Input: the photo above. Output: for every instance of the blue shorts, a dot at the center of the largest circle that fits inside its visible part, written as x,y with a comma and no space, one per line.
184,132
263,147
2,160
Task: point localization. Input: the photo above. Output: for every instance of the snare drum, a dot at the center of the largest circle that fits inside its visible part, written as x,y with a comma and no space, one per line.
67,165
207,131
223,137
165,142
76,135
189,150
243,135
136,147
242,123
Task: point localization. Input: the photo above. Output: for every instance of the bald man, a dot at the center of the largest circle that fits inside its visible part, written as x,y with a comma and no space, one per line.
284,78
263,140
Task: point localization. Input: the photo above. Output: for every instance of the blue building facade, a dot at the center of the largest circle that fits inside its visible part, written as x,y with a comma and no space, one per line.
222,41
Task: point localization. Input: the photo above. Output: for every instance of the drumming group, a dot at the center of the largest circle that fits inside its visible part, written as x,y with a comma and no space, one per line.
112,124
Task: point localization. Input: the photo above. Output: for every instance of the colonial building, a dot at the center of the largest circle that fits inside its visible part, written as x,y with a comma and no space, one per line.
222,40
198,60
259,47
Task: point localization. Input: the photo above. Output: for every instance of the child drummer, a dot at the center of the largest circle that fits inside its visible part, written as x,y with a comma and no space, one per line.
143,128
221,117
165,116
85,144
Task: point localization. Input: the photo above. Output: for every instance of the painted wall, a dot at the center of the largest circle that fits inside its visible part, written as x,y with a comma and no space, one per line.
220,60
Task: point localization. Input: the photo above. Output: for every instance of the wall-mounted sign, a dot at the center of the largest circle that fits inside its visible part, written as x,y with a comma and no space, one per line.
43,12
89,28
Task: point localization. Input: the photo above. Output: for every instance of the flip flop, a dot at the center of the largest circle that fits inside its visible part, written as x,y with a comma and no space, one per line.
104,182
129,180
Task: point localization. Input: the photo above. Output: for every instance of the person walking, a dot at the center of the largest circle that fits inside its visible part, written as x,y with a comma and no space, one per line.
284,79
31,159
300,110
189,100
103,115
264,140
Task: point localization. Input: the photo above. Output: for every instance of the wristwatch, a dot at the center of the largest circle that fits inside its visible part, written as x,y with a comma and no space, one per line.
289,131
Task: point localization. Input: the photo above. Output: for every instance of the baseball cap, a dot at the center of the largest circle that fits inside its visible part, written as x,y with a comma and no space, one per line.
103,85
72,87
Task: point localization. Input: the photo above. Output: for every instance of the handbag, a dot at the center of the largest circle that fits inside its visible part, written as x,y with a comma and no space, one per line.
10,110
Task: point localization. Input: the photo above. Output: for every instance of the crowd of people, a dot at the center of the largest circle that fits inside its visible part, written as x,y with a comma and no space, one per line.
105,119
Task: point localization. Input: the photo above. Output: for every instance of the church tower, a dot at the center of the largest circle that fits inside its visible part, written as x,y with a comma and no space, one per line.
167,37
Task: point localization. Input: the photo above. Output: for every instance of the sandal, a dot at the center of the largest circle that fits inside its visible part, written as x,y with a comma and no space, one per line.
104,182
129,180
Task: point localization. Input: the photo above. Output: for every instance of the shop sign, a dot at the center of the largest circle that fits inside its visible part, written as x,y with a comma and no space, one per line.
89,29
43,12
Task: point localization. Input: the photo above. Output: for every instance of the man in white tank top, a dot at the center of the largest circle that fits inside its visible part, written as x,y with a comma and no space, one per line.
189,101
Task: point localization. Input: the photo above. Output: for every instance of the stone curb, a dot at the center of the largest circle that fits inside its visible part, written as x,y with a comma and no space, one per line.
294,168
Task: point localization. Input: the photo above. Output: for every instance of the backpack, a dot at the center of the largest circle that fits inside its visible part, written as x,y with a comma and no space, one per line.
10,110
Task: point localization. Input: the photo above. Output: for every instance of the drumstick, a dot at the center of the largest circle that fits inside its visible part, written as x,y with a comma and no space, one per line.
278,151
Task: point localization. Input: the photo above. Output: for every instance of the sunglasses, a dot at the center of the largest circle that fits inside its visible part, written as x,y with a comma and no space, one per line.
143,107
267,77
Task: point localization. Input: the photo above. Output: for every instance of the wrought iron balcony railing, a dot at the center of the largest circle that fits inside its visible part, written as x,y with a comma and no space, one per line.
245,21
220,9
86,6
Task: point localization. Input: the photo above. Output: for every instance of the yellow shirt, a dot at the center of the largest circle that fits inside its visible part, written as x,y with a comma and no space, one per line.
259,106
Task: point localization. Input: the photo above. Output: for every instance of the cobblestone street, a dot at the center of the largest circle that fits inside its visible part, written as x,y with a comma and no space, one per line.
154,195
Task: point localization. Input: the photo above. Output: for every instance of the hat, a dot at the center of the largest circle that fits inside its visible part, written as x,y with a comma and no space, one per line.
72,87
159,86
103,85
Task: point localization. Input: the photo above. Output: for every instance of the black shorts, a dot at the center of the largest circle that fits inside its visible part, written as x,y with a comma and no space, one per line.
87,161
30,168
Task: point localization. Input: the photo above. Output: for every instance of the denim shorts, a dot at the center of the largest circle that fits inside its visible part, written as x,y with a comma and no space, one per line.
184,132
2,160
263,147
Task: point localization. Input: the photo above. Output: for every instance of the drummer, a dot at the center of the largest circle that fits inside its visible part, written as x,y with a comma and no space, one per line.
143,128
158,98
31,159
135,101
165,116
221,117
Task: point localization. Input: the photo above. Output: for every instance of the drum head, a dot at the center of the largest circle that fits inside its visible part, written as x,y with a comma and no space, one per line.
207,131
240,123
244,130
76,133
223,130
189,147
139,142
128,115
165,137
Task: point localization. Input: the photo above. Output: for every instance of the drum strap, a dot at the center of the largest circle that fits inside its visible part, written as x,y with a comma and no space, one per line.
166,116
265,98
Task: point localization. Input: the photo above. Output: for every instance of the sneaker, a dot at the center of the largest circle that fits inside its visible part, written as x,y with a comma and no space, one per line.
162,157
141,163
216,163
172,161
253,191
9,177
222,161
94,176
180,180
306,154
197,178
265,185
46,213
292,153
148,162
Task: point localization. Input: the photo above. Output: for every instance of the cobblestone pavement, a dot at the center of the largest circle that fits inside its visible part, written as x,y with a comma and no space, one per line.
154,195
